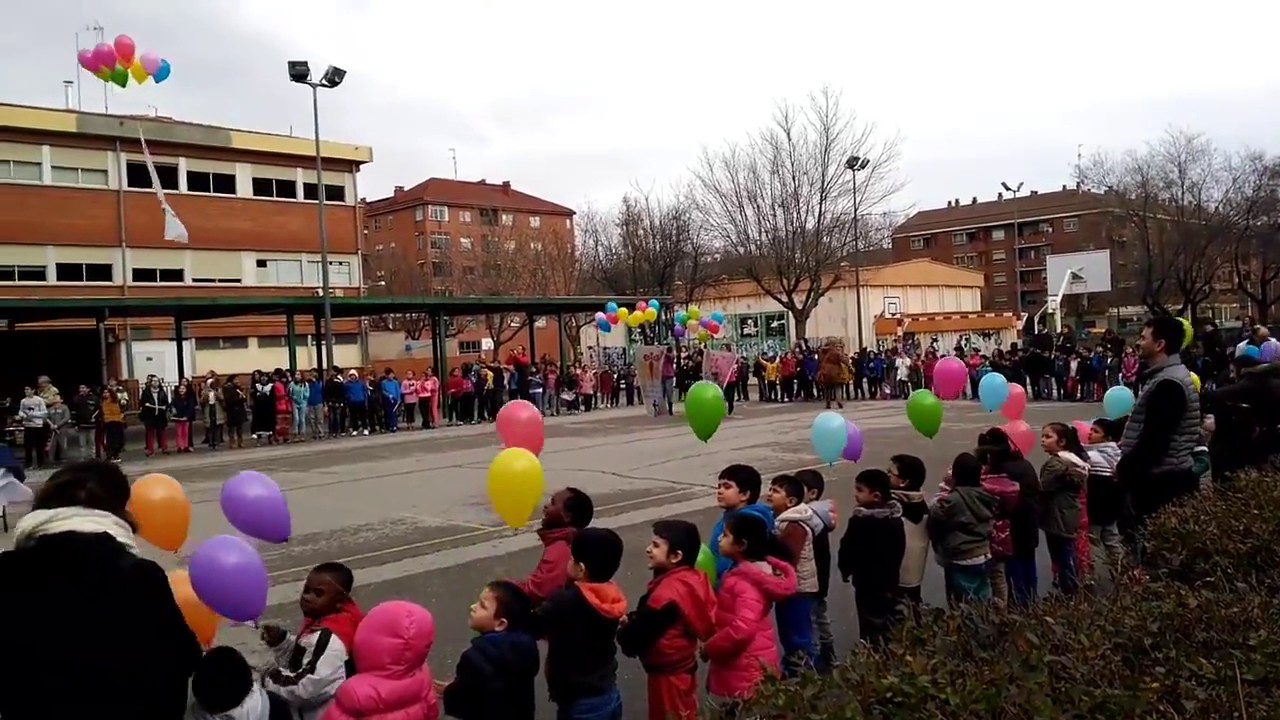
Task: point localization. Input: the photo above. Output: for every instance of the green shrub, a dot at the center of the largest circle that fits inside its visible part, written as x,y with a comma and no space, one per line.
1199,637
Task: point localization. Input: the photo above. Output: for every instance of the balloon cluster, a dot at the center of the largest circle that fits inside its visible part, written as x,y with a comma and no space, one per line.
645,312
835,438
694,323
515,481
119,61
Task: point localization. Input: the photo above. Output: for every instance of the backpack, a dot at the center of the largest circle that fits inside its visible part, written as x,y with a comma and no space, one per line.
1005,491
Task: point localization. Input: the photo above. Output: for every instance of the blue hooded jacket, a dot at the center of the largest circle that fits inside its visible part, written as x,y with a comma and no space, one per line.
391,389
317,392
355,390
724,564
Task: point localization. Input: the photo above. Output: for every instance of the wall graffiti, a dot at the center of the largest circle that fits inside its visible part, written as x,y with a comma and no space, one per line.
603,356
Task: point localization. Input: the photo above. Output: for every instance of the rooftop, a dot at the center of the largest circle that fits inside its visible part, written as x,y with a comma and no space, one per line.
1029,207
175,132
465,193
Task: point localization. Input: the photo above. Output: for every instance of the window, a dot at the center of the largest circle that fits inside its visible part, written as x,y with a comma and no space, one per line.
77,176
137,177
158,275
438,213
1000,300
377,224
468,271
468,347
442,292
84,272
508,219
535,222
419,213
464,216
439,241
346,339
222,343
279,272
18,170
277,188
509,245
389,221
332,193
535,245
1070,224
997,256
441,269
999,279
967,260
997,233
919,243
1046,228
212,183
959,238
339,273
275,341
217,280
23,273
422,240
465,244
488,216
568,223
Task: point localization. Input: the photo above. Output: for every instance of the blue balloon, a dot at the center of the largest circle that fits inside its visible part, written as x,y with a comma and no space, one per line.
604,326
682,318
1253,352
611,307
162,72
1118,402
654,304
993,391
718,317
828,433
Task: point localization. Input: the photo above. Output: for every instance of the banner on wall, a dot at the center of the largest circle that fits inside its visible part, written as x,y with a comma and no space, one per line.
649,370
717,365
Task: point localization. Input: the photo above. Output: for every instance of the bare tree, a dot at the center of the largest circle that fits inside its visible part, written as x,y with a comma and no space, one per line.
509,262
1255,257
782,204
394,272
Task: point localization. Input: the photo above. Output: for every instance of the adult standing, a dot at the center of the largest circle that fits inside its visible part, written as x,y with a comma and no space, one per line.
520,365
153,411
1164,428
34,414
73,576
833,372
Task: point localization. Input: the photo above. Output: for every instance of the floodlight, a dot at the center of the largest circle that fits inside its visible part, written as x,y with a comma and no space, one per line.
299,71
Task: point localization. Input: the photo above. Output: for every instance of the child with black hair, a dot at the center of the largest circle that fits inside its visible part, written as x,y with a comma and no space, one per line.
797,525
223,688
1104,500
580,623
744,647
568,511
960,529
825,511
1061,477
312,664
674,615
494,679
737,490
907,474
871,553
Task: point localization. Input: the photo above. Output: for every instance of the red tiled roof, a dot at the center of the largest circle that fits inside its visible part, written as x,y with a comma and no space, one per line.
995,212
465,193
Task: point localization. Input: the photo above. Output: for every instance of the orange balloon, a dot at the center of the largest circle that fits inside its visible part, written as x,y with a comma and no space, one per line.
202,621
161,509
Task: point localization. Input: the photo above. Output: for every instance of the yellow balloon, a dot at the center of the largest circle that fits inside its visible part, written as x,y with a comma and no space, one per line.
139,75
691,325
515,485
703,335
693,312
1188,333
635,320
650,315
1195,381
622,314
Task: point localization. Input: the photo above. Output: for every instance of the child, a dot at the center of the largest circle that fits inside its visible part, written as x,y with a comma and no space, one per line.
1061,478
494,677
871,553
113,424
223,687
184,416
743,647
675,614
311,665
579,623
906,477
960,529
1007,493
1105,498
825,512
737,490
795,528
391,648
568,511
60,428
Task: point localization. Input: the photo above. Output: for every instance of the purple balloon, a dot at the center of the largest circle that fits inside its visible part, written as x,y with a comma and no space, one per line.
678,331
1269,350
853,444
229,576
254,505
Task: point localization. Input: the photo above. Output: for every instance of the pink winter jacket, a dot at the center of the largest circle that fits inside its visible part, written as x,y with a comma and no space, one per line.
744,646
393,682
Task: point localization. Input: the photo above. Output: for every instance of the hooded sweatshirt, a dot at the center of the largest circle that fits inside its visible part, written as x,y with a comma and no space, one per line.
823,524
915,516
744,646
713,542
552,570
394,683
1061,478
960,524
1104,500
579,623
674,615
313,664
796,529
872,548
494,679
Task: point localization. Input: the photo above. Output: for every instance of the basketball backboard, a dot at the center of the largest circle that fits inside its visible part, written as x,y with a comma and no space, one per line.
1089,271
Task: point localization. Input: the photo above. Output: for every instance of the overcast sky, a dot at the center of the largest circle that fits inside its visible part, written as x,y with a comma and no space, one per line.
576,101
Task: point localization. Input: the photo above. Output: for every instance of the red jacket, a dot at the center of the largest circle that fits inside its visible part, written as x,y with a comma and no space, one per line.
681,608
552,571
744,646
455,386
787,366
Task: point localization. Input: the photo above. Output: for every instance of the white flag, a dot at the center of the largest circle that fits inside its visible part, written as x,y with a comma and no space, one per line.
174,230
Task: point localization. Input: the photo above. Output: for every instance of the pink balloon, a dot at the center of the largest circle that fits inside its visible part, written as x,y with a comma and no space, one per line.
1082,429
87,60
641,306
520,425
1022,435
125,48
105,55
949,378
1015,406
150,62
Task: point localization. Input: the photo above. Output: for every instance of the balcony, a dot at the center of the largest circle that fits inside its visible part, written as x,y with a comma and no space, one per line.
1028,239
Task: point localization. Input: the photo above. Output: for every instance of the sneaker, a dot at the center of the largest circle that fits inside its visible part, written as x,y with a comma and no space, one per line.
366,433
355,432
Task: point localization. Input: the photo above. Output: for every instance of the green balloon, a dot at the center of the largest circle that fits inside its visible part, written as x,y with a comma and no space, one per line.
706,564
924,410
704,408
120,76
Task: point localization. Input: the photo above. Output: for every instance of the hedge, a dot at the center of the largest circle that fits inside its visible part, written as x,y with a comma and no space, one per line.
1197,636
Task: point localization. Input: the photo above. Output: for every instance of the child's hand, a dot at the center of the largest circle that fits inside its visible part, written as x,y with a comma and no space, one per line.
622,622
441,684
273,635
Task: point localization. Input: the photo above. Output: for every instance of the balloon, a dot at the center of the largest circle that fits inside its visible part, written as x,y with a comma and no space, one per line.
654,306
162,73
515,485
105,55
1015,406
202,621
704,408
706,564
853,442
704,336
103,74
993,390
139,75
605,327
161,509
519,425
611,308
1082,429
949,378
828,433
88,61
1253,352
125,48
1269,351
1118,402
228,575
254,505
694,313
1021,434
692,325
120,76
682,317
713,327
635,320
623,314
599,316
924,410
718,317
650,315
1188,333
1195,381
678,331
641,307
612,318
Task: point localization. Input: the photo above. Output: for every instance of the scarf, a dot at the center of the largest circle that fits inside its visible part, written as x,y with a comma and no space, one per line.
38,523
342,624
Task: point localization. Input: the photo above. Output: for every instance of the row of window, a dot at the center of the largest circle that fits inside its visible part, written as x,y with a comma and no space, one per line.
267,341
269,272
440,213
1069,225
1025,256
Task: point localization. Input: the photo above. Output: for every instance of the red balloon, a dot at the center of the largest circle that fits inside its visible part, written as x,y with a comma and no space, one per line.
612,318
1021,434
713,327
520,425
1015,406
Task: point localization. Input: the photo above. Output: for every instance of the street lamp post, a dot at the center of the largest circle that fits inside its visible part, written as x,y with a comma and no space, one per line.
856,164
300,72
1017,273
